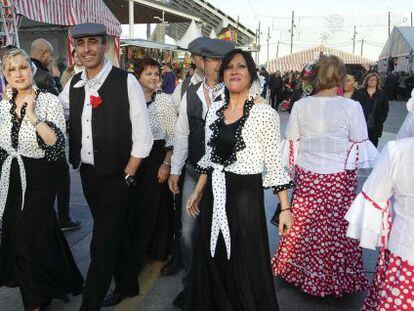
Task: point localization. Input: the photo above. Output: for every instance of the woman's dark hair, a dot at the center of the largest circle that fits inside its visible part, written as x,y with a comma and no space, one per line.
143,64
251,66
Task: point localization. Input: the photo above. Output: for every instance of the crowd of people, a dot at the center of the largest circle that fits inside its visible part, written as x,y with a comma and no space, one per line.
179,172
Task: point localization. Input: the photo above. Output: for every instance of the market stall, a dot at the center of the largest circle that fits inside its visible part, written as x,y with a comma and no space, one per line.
398,49
52,19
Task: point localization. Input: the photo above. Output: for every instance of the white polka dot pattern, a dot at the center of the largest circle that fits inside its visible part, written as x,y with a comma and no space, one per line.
163,118
394,289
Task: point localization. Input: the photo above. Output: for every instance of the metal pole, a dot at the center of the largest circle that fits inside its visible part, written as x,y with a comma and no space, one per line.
291,32
163,27
411,18
277,50
131,19
148,31
268,44
362,47
389,24
353,40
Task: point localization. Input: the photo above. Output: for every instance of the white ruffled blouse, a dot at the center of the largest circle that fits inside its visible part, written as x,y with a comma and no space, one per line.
327,135
162,118
369,216
256,151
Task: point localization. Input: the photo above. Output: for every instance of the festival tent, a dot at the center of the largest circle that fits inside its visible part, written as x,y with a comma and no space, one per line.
297,61
192,33
400,47
51,19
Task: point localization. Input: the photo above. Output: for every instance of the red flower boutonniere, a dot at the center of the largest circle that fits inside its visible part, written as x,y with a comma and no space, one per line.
96,101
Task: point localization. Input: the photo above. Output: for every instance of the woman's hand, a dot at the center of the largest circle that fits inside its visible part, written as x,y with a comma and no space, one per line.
163,173
193,203
285,222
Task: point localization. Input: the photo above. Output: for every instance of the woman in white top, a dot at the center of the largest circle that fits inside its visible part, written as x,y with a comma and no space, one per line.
326,140
231,269
34,254
370,221
407,128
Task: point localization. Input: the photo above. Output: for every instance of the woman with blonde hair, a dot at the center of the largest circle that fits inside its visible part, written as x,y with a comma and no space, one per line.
34,254
374,103
326,141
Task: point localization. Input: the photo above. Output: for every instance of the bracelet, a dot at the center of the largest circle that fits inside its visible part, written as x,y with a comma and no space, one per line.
36,122
286,209
167,163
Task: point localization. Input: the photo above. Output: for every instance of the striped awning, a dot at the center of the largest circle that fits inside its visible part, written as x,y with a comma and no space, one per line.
297,61
68,13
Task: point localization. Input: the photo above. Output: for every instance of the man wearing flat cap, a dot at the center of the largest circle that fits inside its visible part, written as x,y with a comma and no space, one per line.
109,135
189,146
175,263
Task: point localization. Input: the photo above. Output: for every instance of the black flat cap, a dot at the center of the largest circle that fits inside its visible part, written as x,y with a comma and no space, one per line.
88,30
216,48
195,46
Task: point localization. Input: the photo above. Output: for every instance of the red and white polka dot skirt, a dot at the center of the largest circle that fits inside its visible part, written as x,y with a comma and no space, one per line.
317,256
393,285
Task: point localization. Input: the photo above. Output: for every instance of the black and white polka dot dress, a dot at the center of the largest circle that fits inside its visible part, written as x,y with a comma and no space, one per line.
34,254
241,159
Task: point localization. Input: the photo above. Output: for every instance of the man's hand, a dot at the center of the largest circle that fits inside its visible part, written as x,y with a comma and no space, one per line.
173,183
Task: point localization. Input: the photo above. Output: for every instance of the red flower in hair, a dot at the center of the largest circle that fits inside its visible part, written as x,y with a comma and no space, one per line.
96,101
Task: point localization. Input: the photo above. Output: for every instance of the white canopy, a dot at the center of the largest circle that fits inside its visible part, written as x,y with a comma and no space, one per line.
192,33
400,43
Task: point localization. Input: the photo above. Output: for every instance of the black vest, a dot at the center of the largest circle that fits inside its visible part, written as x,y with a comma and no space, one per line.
111,124
196,146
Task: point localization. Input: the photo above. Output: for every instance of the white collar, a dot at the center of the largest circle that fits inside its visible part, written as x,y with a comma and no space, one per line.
95,82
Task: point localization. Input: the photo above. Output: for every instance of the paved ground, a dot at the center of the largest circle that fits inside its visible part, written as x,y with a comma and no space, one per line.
158,292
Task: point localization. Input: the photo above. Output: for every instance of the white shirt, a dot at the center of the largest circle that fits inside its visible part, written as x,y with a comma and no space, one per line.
392,177
162,117
177,95
142,138
182,130
407,128
328,133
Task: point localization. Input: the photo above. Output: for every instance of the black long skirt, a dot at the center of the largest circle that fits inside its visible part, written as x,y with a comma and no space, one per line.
34,254
245,282
150,219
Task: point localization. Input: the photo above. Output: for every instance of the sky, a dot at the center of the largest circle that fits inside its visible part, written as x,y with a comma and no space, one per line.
316,22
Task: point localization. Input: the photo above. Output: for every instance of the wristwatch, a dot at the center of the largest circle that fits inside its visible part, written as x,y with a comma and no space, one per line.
129,179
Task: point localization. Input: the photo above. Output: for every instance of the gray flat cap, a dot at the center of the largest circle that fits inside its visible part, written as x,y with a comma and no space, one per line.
216,48
195,46
88,30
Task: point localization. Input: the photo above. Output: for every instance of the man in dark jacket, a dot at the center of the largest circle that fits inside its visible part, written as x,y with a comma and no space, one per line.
41,56
276,88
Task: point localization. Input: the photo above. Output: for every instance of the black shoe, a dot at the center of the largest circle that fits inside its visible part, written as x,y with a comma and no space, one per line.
171,267
114,298
70,225
179,300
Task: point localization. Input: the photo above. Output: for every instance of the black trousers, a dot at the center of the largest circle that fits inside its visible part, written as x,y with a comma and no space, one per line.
108,199
62,189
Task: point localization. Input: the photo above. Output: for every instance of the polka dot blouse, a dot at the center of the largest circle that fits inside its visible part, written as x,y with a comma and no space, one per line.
163,118
257,148
20,136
